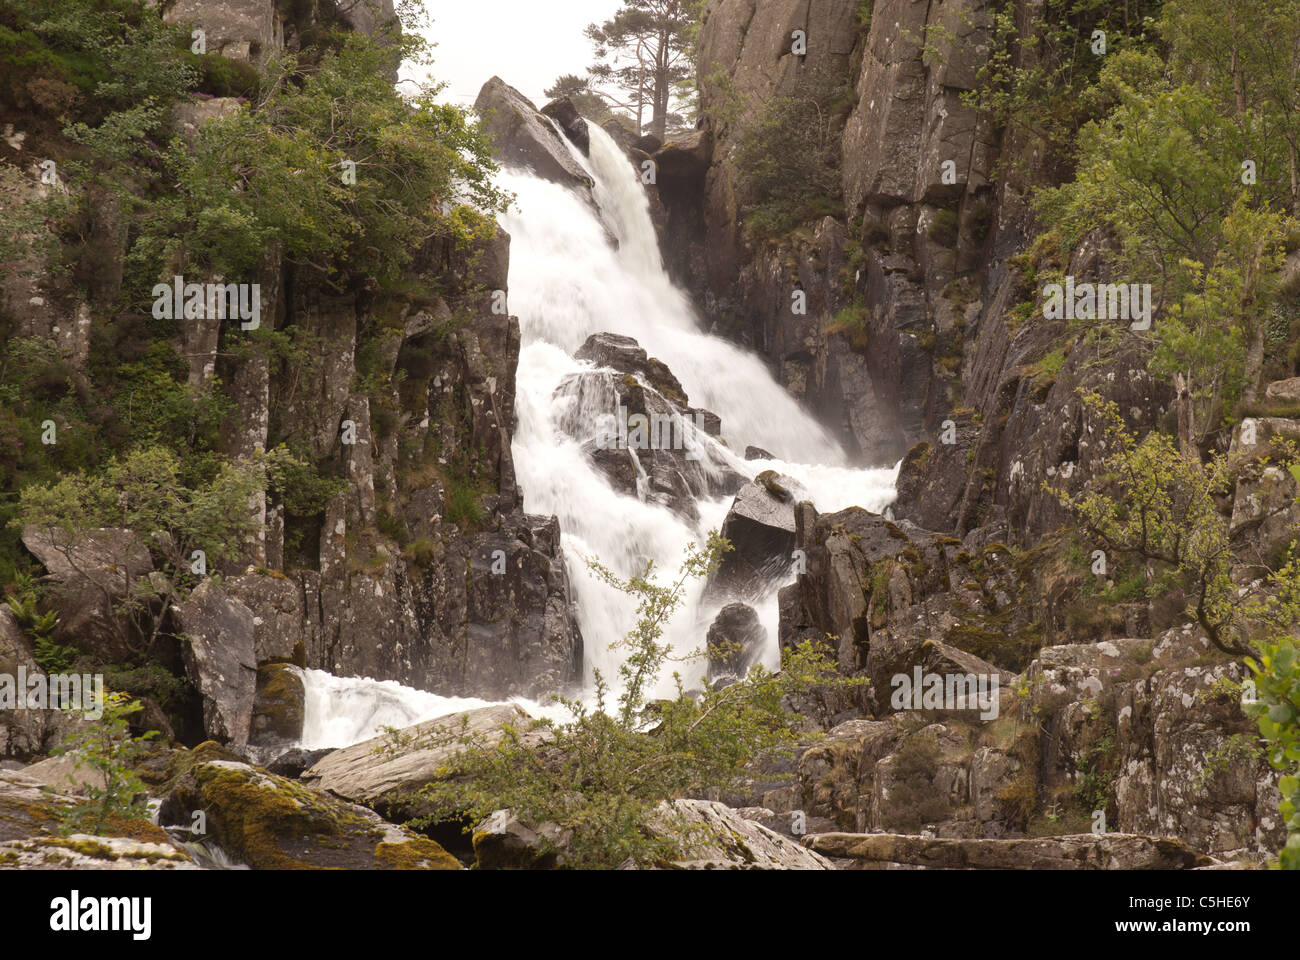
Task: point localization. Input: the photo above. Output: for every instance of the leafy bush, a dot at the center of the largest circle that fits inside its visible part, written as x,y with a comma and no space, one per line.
788,164
1277,711
108,749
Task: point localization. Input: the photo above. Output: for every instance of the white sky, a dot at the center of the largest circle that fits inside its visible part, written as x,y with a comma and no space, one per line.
527,43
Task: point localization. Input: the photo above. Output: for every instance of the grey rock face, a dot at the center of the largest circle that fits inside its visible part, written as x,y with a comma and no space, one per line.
220,660
381,772
525,137
761,528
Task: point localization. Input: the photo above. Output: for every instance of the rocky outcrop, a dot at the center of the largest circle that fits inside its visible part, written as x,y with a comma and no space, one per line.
564,113
386,773
715,837
30,836
271,823
761,529
637,426
220,661
89,574
278,707
523,136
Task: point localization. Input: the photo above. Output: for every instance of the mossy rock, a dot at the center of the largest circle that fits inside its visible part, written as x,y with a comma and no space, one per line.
272,823
770,481
278,705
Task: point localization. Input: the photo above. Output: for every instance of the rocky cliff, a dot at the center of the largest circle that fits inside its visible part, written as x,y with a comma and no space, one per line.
421,567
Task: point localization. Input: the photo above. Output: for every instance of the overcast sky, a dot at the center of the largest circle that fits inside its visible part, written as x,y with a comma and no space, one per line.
527,43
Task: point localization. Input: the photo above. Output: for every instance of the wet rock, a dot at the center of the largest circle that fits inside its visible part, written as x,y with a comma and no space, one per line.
625,355
278,705
564,113
761,528
735,642
525,138
294,762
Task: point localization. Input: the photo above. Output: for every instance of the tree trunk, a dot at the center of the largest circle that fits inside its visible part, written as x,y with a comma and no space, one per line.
1186,415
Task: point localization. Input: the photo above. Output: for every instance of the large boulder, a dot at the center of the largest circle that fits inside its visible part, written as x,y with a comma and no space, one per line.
91,572
564,113
244,30
761,528
220,660
735,641
716,837
278,706
524,137
272,823
387,772
667,458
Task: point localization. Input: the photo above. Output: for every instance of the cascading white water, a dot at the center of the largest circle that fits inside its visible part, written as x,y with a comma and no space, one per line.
567,282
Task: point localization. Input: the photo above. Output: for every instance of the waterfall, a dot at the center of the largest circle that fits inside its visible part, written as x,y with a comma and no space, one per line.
567,281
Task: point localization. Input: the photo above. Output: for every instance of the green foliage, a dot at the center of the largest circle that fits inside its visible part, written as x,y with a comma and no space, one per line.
88,58
145,492
1277,712
588,102
601,774
464,505
275,173
1039,71
299,484
50,656
1148,500
646,50
787,161
106,748
865,8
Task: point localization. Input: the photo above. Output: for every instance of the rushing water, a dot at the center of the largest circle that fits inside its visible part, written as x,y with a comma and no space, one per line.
567,281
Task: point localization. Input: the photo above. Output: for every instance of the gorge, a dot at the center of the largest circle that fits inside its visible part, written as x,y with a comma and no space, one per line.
365,577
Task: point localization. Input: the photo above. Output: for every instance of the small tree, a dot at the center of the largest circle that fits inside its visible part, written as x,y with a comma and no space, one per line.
578,89
1149,500
145,492
106,747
